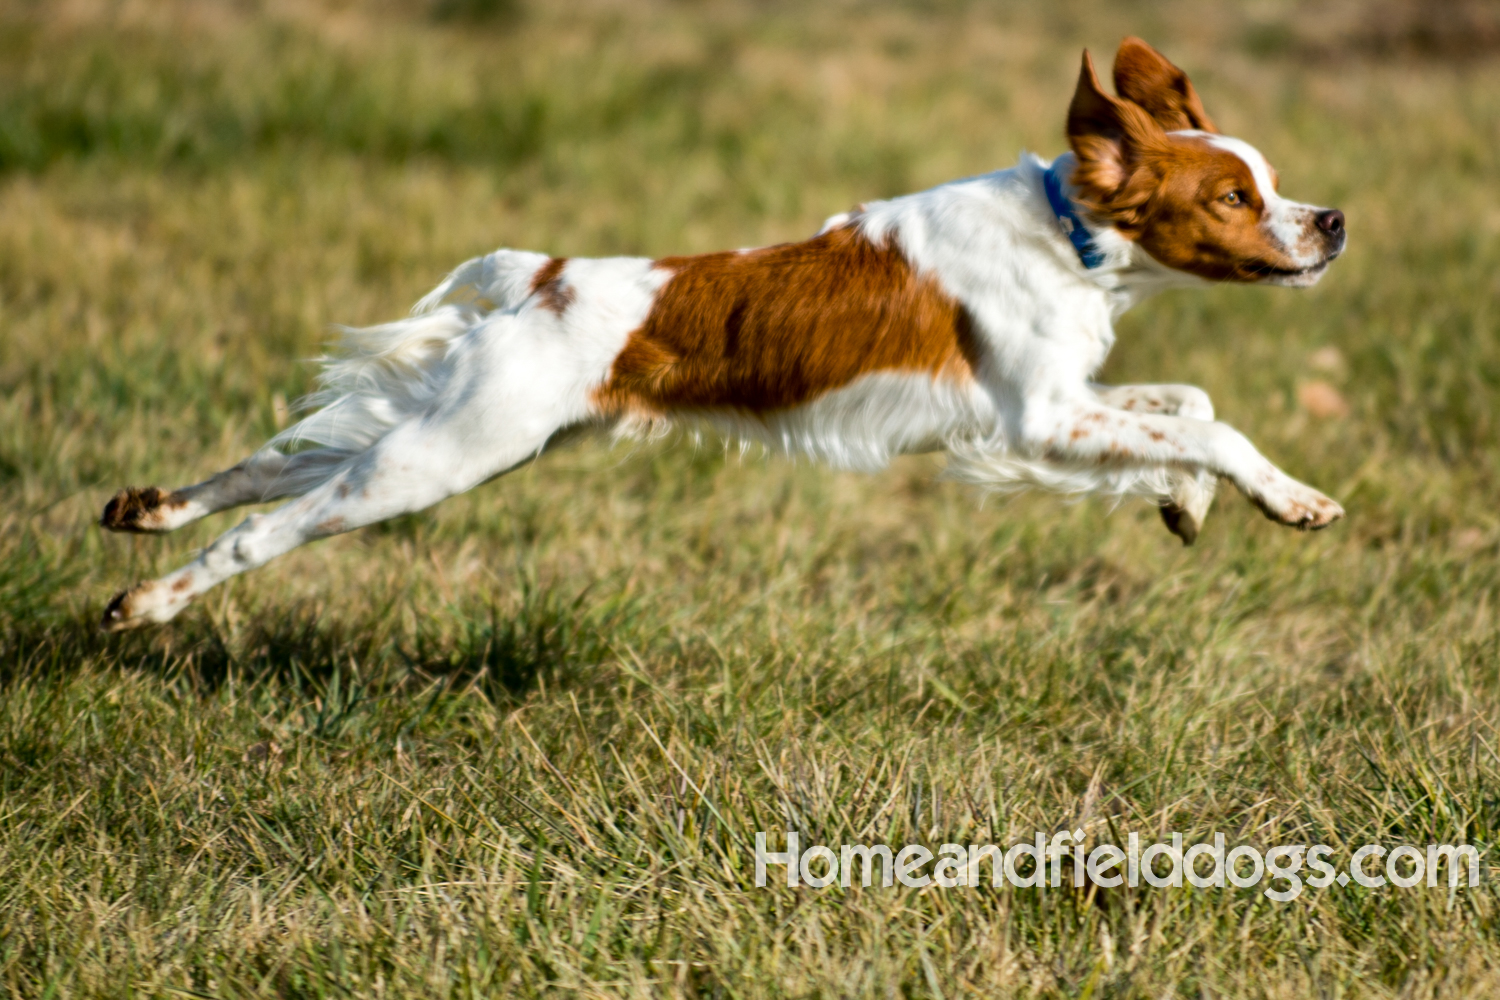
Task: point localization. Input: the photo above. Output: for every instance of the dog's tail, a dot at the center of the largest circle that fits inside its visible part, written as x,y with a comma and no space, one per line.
499,280
379,376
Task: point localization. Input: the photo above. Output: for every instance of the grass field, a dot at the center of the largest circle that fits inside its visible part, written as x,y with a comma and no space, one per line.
520,744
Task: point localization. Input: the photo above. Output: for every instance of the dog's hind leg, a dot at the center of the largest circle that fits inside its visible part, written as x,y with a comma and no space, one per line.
512,384
1185,507
265,475
412,467
385,366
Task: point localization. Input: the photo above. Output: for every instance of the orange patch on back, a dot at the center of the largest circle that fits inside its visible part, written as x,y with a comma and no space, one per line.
769,329
547,285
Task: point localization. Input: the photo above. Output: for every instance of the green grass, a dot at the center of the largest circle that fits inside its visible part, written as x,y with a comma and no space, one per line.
520,744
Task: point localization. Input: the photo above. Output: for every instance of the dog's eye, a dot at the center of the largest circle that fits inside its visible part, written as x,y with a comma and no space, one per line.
1234,198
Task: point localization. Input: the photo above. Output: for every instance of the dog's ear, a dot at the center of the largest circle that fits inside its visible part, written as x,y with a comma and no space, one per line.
1111,138
1144,75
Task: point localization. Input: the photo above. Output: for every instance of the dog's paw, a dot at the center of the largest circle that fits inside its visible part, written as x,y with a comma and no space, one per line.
1187,508
140,510
1297,505
1180,523
151,603
119,614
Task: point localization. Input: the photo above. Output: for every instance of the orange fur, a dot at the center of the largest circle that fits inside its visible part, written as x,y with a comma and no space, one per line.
548,286
769,329
1162,190
1144,75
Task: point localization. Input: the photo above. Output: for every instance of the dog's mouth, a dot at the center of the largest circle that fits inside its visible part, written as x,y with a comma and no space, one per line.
1309,274
1299,272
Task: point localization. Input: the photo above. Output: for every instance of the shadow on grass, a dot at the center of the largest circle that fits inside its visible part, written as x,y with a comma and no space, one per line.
549,639
506,650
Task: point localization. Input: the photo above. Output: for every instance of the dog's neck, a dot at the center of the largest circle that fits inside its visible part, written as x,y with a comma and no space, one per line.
1060,199
1104,256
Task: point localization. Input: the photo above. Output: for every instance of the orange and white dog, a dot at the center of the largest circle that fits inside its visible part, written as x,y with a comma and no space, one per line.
968,318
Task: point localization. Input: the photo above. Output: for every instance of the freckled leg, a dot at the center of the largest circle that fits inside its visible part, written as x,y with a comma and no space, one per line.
266,475
412,467
1185,508
1092,433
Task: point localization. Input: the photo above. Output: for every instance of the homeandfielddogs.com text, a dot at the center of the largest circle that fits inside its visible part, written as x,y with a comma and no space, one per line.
1041,863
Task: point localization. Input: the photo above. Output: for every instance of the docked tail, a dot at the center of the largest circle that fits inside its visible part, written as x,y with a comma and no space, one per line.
377,377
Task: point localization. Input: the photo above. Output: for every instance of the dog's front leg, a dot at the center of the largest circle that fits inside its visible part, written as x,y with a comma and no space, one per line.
1191,492
1084,432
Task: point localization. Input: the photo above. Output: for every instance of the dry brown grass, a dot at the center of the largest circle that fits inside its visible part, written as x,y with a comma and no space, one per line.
521,743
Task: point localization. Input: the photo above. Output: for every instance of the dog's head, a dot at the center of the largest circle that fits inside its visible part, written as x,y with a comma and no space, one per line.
1152,164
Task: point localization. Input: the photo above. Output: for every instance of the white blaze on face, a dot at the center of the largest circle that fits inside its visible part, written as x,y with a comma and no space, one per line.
1290,223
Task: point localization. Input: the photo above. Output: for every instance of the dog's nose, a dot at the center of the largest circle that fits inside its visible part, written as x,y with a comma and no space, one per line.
1331,221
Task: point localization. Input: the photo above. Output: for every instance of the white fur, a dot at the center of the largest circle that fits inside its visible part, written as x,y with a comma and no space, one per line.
865,424
1290,223
485,373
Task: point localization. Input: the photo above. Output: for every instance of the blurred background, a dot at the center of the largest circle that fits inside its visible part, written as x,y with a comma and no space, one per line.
192,194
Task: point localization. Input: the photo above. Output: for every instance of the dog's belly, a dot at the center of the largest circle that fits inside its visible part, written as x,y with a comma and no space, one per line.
864,424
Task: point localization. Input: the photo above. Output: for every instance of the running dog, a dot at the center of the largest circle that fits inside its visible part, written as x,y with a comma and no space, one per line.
969,318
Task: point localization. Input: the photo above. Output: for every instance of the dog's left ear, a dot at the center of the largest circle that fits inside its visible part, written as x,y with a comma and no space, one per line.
1144,75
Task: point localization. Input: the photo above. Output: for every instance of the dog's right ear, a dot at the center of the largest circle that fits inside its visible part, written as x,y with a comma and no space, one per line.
1109,137
1145,76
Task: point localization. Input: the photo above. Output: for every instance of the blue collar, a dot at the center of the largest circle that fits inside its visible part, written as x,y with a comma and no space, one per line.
1067,217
